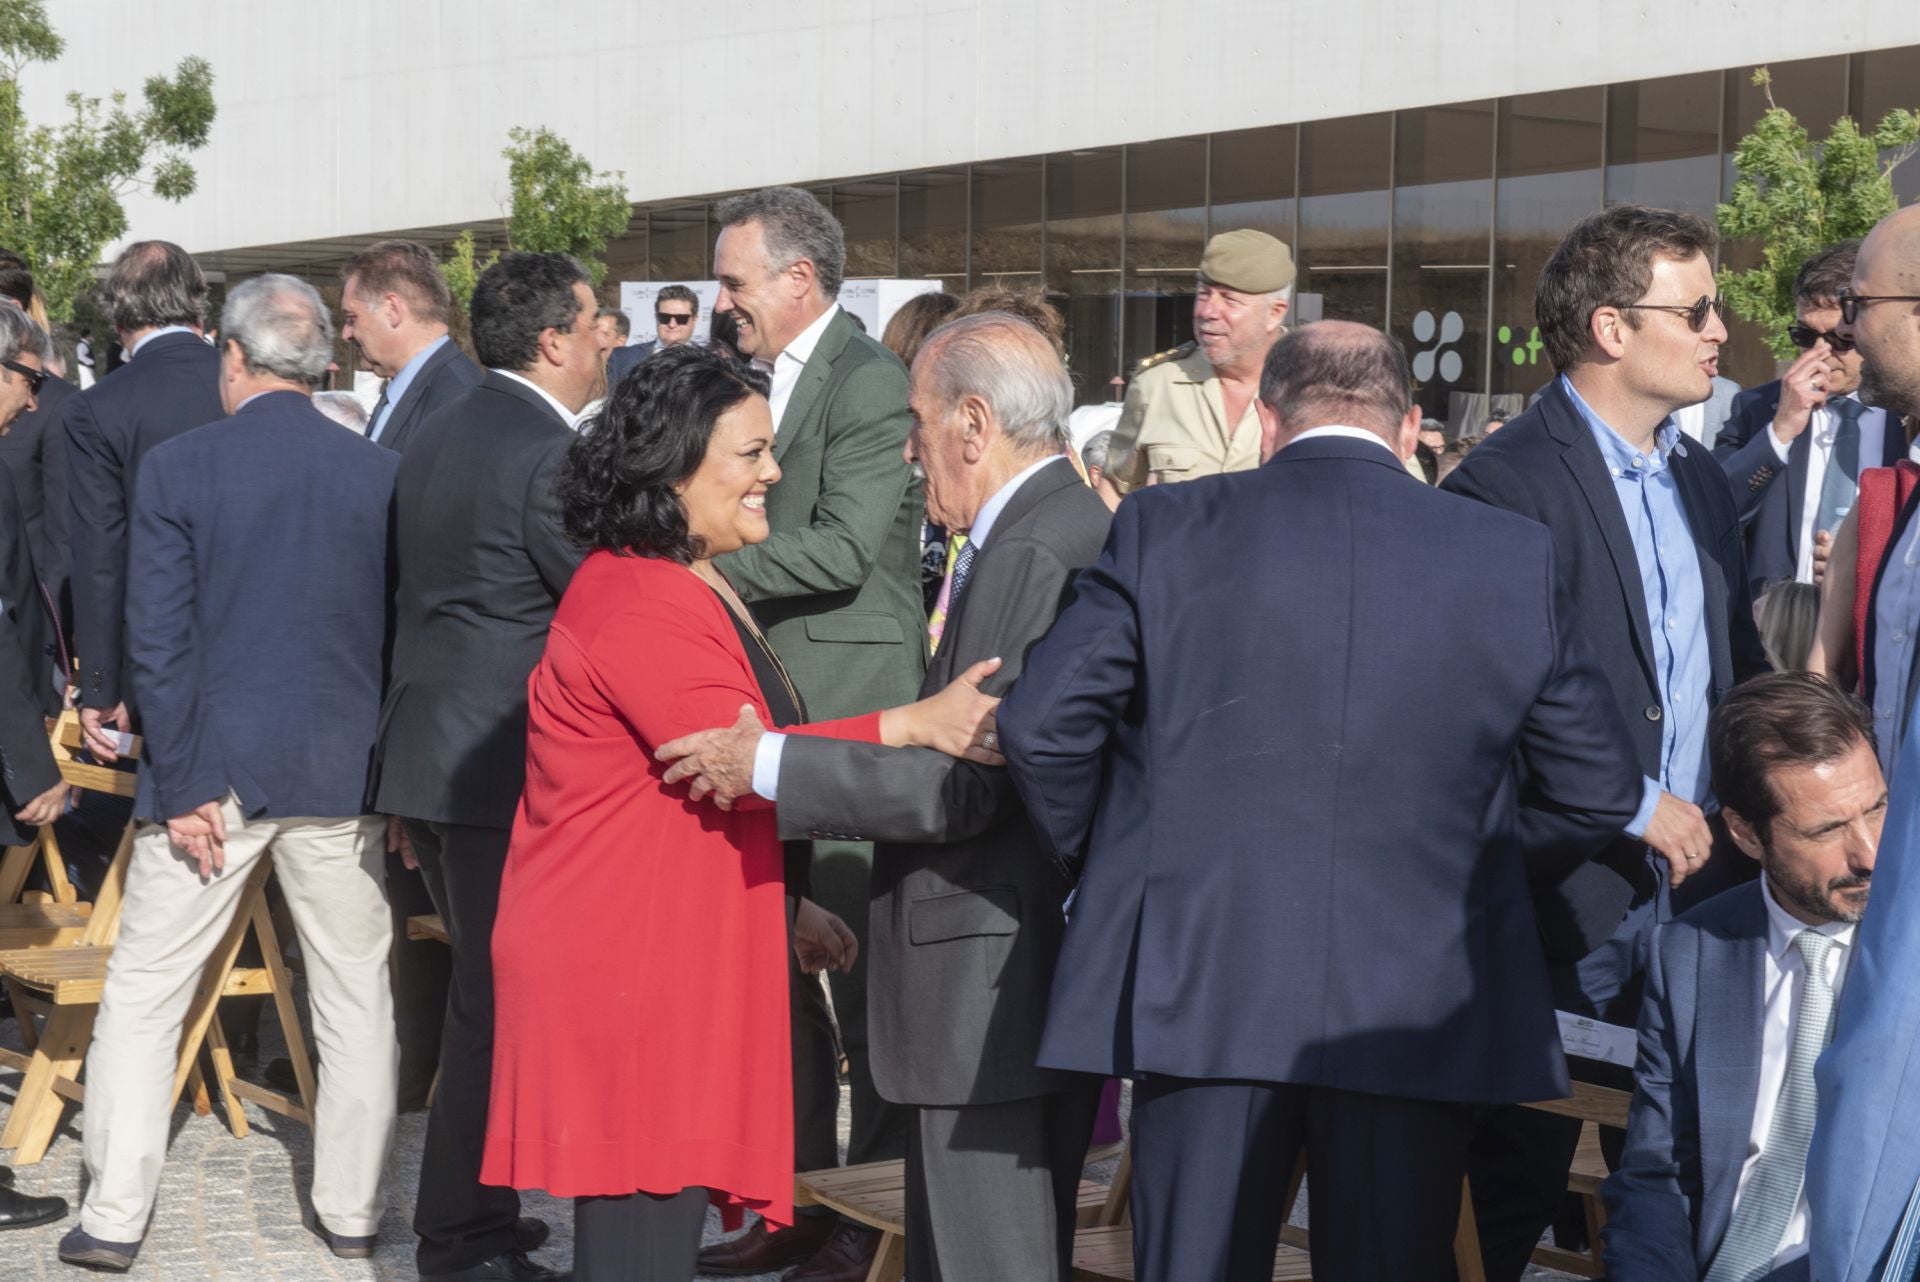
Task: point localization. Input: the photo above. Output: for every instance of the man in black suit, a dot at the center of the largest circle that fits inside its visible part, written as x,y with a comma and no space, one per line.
158,301
675,310
1251,830
482,563
394,306
34,451
966,918
1647,543
1793,449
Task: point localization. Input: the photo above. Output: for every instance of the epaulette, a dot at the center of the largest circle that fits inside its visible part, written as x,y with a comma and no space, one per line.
1179,353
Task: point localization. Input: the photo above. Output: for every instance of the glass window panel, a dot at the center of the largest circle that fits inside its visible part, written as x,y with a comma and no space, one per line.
1345,204
933,226
677,242
866,210
1548,165
1442,209
626,259
1663,143
1083,263
1166,234
1884,80
1250,181
1005,230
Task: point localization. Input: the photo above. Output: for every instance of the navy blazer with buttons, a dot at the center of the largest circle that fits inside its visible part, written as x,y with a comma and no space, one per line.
1545,465
257,612
446,374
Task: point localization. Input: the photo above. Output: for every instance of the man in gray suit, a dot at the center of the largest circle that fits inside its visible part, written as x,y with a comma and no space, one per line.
1740,998
967,913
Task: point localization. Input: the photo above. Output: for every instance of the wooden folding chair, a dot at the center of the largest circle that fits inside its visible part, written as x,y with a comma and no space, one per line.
55,916
1595,1106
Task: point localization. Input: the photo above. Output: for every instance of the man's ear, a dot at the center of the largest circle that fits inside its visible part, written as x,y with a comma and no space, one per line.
1408,437
1271,429
1745,836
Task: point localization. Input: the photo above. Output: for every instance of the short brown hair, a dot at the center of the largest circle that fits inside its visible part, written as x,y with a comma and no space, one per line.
1777,720
1607,261
918,317
404,267
1827,275
1030,306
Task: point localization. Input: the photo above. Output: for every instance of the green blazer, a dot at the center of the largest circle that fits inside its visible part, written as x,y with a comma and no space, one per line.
837,586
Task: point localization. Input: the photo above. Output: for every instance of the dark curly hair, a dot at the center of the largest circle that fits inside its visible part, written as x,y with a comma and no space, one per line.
616,489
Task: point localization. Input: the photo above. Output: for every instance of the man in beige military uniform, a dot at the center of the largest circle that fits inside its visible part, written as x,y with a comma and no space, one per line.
1190,411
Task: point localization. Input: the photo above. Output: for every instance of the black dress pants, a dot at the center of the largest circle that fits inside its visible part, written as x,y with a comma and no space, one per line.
461,1221
422,971
1212,1159
639,1237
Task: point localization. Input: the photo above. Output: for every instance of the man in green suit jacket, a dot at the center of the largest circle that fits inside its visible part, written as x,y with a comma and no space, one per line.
837,590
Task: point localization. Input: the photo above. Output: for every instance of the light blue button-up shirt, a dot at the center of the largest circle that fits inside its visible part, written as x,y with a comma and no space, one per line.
398,385
1649,495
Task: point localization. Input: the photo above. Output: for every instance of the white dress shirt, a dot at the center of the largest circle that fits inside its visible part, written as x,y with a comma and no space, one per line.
785,368
567,416
1820,430
766,753
1350,433
1780,991
152,334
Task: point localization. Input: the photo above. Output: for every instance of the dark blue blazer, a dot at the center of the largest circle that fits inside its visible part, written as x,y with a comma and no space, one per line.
622,361
257,612
171,387
1698,1074
1545,465
1279,724
34,449
1771,497
447,373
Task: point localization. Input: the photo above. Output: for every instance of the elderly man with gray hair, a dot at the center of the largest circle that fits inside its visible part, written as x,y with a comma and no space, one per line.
259,550
966,916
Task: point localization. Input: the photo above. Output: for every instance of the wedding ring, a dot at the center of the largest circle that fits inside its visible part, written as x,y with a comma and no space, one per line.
991,740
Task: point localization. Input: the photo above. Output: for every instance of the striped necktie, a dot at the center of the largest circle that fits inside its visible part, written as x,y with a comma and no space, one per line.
1773,1190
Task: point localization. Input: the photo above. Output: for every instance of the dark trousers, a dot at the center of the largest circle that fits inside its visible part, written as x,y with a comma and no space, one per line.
461,1221
422,973
1212,1160
992,1188
639,1237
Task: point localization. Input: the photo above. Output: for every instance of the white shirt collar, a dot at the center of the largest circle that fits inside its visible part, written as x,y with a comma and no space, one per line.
800,350
567,416
152,334
990,510
1782,925
1350,433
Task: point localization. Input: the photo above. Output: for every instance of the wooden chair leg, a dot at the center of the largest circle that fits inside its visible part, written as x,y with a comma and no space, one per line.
197,1089
56,865
1467,1260
206,996
29,1032
890,1261
284,1005
223,1074
37,1108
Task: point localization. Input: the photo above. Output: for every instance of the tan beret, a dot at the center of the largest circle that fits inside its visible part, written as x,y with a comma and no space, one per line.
1249,261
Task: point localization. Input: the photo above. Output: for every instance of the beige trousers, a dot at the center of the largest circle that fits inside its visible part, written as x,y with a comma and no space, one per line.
333,874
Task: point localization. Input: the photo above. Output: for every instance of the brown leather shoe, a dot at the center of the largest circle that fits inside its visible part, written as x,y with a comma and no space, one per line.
847,1256
764,1250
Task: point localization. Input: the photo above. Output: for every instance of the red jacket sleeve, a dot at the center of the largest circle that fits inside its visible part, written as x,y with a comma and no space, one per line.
864,728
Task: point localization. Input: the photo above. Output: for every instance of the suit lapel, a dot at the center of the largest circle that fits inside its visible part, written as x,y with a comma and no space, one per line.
1727,1047
1893,438
408,405
1582,457
813,380
1049,480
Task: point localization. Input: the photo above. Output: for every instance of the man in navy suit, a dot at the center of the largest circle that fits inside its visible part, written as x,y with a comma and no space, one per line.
394,305
1793,448
674,312
171,382
34,450
1647,542
257,613
1740,997
1210,731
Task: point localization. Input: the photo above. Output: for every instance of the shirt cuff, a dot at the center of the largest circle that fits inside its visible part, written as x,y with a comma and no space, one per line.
1780,447
1649,798
766,764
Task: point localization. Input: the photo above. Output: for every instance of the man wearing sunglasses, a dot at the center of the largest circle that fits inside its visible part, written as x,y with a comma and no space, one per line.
1793,449
1647,544
675,310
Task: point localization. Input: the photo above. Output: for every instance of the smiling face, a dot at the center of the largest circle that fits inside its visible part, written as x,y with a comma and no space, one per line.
1235,329
726,497
771,303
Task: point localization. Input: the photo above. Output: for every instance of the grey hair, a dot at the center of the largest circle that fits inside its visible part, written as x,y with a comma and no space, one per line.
1010,365
1094,453
155,283
281,327
343,408
20,333
796,226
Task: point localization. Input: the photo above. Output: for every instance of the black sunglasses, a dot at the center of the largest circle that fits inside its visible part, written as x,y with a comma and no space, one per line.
1850,304
34,377
1696,312
1805,336
671,318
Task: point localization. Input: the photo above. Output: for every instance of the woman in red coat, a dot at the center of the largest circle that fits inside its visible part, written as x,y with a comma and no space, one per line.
641,1059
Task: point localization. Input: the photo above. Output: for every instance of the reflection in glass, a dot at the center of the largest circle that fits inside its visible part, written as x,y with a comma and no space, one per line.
1345,204
1663,143
933,226
1548,161
866,209
1883,81
1006,228
677,242
626,259
1166,234
1442,196
1083,263
1251,182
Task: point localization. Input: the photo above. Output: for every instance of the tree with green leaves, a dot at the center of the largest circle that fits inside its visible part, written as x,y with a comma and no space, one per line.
1795,198
558,205
60,186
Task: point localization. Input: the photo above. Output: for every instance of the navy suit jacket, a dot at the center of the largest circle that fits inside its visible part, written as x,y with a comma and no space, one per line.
1545,465
171,387
1301,854
1772,498
257,612
27,663
622,361
34,449
1696,1082
447,373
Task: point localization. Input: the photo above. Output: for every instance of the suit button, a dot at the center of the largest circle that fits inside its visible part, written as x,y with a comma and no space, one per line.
1653,712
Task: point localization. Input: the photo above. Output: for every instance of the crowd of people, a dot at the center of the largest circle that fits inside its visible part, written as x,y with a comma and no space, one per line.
678,676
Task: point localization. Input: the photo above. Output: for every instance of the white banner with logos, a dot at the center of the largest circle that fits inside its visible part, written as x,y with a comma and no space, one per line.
872,300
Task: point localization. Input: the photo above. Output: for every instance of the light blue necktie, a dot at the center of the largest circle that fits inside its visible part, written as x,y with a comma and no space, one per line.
1841,482
1767,1205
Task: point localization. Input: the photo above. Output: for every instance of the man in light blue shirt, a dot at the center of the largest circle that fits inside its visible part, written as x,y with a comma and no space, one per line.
394,306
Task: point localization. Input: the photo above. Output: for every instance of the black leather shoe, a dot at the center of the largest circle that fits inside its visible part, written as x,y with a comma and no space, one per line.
19,1211
343,1246
529,1234
514,1266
